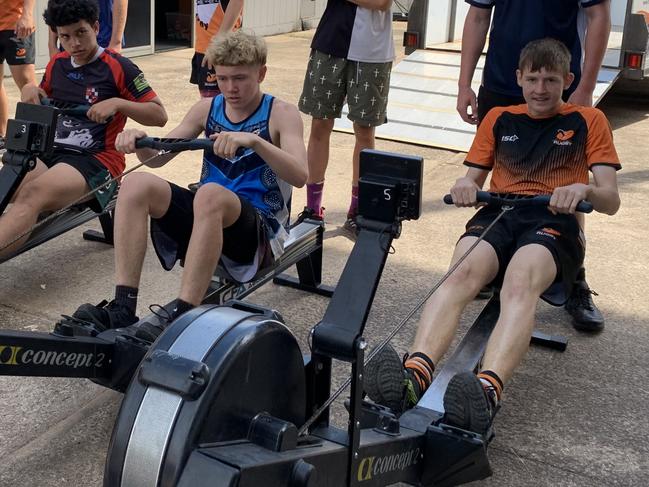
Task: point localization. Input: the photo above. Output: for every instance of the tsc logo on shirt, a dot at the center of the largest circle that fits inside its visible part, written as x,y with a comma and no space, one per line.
563,137
509,138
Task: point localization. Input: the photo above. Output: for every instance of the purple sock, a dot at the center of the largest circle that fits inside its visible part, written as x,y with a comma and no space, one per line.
314,196
353,206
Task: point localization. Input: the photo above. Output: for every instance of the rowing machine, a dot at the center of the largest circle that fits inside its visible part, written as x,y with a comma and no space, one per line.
31,135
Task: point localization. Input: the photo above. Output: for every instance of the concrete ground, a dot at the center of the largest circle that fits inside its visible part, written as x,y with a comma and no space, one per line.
572,419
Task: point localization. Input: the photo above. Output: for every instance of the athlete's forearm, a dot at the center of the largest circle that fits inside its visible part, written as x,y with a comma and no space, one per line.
474,37
120,9
235,7
604,200
596,42
150,113
28,8
286,165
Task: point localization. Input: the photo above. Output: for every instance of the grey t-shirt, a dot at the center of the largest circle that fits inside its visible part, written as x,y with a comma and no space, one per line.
355,33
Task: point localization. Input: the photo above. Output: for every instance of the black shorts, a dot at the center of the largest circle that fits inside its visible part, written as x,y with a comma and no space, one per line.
171,233
16,51
92,170
560,234
204,77
488,99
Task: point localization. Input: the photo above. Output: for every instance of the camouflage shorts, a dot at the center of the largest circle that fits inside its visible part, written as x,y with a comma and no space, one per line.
329,80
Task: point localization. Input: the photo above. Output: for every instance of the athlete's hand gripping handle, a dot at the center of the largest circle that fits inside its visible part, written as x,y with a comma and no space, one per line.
541,200
178,145
69,108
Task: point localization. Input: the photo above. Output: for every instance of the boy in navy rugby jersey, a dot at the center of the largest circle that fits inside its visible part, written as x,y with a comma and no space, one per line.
85,156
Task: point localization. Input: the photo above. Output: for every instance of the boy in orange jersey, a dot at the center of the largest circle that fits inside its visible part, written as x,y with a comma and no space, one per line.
17,48
212,17
545,146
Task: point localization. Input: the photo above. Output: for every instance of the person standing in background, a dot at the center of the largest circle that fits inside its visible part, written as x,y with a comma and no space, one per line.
112,20
17,48
351,59
212,18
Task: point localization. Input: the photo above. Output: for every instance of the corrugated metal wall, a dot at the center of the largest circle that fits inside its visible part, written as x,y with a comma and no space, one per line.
268,17
264,17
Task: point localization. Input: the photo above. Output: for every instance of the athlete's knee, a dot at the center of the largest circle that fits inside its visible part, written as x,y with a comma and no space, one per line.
212,200
29,201
138,185
466,279
519,285
138,190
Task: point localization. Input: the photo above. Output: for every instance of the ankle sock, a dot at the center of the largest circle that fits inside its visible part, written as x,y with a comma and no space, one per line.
126,296
180,308
353,205
314,196
422,368
491,382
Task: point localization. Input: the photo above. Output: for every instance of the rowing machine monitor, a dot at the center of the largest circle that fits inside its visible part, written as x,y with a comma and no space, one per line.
29,135
32,130
389,187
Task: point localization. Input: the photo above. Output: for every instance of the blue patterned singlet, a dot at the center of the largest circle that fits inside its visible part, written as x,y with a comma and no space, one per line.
248,175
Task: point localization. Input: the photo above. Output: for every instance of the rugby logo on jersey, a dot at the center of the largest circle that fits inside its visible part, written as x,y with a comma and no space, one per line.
549,232
92,95
140,83
563,137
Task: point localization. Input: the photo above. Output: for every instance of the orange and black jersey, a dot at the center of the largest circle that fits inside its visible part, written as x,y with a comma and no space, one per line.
110,75
536,155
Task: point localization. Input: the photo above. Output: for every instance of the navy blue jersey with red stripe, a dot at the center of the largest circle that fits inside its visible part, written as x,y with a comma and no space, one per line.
515,23
110,75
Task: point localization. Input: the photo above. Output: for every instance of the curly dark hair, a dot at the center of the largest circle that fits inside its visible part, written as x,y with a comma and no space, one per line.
65,12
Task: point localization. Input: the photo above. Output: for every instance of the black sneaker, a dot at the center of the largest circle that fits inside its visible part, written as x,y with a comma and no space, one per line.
150,331
467,404
389,383
586,316
105,315
308,214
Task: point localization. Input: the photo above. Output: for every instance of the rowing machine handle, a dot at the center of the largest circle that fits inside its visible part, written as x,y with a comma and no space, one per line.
67,108
541,200
177,145
174,145
70,108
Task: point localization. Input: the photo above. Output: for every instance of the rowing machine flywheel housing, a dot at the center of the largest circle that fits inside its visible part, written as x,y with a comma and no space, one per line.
202,382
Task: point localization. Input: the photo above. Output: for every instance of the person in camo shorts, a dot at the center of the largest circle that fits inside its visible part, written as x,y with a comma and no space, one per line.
351,59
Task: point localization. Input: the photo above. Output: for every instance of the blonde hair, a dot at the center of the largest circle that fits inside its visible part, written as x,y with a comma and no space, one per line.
237,49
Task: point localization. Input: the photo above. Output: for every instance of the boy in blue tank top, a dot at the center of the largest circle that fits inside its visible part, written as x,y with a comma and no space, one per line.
240,212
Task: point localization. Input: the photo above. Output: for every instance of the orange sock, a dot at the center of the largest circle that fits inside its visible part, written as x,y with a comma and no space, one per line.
491,381
422,368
